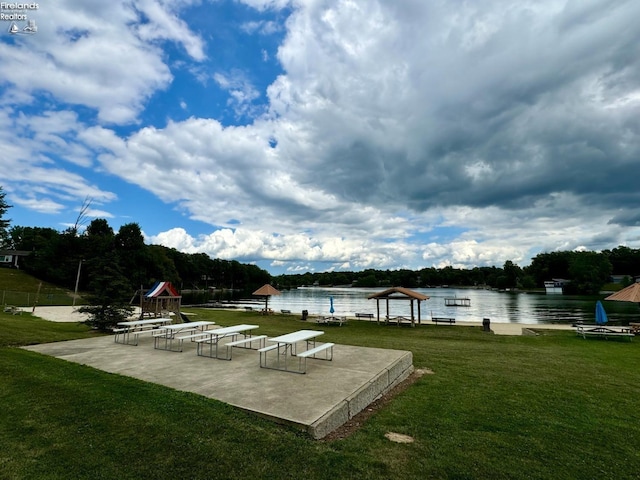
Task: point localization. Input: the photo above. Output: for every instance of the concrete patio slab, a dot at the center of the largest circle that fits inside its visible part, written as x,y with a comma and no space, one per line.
323,399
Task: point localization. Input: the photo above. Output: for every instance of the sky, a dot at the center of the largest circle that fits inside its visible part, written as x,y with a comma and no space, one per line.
328,135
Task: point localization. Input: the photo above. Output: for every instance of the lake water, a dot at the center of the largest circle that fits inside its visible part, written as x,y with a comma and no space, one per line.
500,307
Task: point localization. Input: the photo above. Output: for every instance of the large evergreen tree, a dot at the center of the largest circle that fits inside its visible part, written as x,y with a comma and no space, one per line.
110,294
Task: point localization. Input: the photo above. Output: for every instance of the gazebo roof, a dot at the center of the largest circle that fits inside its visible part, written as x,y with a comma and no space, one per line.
399,293
266,290
627,294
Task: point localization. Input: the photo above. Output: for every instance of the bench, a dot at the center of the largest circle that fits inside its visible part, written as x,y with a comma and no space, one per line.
118,332
264,350
161,332
248,309
228,350
268,348
244,341
136,331
312,351
12,310
285,311
635,328
169,337
194,337
365,315
325,347
448,320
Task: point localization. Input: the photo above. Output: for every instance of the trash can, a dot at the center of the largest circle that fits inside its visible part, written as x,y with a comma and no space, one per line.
486,325
305,314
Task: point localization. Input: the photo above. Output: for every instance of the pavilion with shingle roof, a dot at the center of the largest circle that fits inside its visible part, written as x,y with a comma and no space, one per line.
399,293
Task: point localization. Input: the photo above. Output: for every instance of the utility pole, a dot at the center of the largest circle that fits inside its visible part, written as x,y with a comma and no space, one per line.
75,293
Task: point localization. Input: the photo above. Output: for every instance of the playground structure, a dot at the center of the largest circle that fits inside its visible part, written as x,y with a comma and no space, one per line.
162,299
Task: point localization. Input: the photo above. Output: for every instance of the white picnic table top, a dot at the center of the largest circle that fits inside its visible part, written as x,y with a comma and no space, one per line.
229,330
137,323
181,326
295,337
212,338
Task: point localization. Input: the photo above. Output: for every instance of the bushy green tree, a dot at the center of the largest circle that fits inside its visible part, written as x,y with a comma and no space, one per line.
4,223
110,294
512,274
588,272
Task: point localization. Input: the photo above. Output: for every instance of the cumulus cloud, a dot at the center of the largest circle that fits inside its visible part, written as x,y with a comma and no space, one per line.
399,134
103,56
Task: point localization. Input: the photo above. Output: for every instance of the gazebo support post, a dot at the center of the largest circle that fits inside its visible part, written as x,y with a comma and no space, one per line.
413,322
387,317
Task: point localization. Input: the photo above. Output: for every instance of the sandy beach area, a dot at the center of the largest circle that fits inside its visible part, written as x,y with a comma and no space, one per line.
70,314
56,314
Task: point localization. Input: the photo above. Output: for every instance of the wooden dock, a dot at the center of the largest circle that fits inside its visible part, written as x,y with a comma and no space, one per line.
457,302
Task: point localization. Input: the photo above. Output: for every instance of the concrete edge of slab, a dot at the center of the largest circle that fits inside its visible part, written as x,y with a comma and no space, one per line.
380,384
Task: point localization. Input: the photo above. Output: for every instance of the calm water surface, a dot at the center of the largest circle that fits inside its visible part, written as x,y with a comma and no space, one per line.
501,307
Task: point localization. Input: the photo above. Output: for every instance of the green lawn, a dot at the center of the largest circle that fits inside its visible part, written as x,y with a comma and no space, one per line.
554,406
20,288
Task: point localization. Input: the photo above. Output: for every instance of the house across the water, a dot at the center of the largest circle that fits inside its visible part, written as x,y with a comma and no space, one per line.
555,285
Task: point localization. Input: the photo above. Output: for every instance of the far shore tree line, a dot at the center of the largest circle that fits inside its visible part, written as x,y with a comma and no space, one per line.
104,259
587,272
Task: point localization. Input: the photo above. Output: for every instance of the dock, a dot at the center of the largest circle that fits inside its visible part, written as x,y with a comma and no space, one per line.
457,302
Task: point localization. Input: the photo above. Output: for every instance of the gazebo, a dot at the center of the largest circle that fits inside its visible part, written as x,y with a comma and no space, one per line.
266,291
399,293
162,297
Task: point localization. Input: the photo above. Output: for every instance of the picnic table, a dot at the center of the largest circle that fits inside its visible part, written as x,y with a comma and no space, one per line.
602,331
332,320
213,337
286,347
164,336
136,327
399,320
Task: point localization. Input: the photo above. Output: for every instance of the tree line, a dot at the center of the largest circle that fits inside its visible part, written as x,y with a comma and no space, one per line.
586,271
64,258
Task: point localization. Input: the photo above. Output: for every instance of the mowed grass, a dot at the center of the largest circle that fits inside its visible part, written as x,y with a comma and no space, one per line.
552,406
20,288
